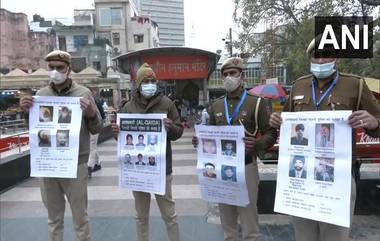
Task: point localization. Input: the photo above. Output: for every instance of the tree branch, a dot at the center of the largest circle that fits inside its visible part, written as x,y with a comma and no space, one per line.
288,10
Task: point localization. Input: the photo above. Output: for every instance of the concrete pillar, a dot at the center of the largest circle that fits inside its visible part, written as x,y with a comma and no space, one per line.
116,97
204,93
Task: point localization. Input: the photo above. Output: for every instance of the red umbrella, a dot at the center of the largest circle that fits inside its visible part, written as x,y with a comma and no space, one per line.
269,91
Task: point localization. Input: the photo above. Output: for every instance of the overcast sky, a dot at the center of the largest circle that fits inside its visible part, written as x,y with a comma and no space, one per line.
208,20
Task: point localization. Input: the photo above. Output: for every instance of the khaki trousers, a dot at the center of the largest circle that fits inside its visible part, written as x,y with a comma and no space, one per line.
248,215
167,209
53,191
311,230
93,158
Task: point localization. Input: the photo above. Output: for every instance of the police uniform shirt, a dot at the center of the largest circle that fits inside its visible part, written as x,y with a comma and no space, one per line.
343,96
246,117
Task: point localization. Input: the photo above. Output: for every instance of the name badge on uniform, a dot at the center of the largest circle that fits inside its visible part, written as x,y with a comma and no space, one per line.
298,97
219,114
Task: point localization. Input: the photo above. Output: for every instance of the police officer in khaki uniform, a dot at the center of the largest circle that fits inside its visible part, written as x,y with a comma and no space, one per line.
238,108
54,190
326,89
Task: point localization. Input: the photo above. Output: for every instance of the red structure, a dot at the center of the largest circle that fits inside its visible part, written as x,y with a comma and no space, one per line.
185,71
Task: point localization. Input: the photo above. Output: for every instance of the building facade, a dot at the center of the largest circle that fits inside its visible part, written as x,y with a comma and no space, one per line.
79,40
72,38
118,21
20,47
169,15
143,34
111,22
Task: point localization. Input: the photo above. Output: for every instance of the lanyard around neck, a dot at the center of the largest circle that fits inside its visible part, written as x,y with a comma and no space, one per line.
318,103
236,110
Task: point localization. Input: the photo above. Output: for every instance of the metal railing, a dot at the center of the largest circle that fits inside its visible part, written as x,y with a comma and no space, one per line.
9,127
10,148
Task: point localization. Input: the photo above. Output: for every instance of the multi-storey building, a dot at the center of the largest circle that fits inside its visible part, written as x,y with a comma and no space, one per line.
169,15
20,47
71,38
118,21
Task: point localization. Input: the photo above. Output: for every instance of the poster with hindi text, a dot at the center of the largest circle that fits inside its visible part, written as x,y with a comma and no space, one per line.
54,129
221,164
142,152
314,166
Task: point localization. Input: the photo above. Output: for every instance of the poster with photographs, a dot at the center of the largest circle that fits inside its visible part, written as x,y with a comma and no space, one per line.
54,127
314,170
221,164
141,152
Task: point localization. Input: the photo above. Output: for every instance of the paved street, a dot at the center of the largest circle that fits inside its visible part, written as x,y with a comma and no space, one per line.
111,209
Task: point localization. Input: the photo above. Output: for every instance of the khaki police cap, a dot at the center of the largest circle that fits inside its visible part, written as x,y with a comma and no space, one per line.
310,48
58,55
233,62
144,72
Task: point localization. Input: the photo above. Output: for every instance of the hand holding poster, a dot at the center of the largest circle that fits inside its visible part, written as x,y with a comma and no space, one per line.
314,169
221,164
54,128
142,152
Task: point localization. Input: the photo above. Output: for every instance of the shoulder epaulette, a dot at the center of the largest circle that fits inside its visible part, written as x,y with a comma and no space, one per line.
303,77
253,95
351,75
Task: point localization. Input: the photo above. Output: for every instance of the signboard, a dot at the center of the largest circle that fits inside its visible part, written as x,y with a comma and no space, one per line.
12,142
178,67
368,148
271,81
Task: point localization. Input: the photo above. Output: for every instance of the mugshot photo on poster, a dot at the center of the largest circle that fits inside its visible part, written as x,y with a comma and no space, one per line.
46,114
228,147
208,146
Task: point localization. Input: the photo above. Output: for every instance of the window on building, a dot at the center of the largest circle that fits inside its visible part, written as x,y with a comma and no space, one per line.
110,16
116,16
116,39
139,38
257,75
280,74
105,17
62,43
80,40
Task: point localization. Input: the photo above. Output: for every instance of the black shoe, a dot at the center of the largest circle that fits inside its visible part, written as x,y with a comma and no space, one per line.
96,167
89,171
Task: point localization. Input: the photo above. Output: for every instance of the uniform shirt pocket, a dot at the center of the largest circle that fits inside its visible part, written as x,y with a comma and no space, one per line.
303,104
343,103
220,119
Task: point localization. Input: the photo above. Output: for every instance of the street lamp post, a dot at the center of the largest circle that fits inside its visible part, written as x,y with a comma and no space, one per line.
228,42
230,45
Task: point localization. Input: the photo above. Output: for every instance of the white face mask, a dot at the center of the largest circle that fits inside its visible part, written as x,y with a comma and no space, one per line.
231,83
321,71
148,90
56,77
